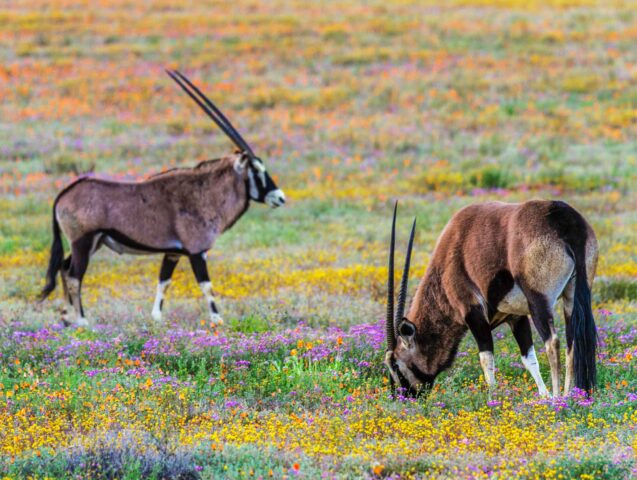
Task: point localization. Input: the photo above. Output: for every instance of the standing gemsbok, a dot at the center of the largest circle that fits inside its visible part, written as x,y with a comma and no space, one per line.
177,213
498,263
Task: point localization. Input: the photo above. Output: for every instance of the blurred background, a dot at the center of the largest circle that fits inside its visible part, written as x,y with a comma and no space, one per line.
350,106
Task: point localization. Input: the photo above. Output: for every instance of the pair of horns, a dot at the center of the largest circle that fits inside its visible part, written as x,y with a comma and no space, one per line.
211,110
392,320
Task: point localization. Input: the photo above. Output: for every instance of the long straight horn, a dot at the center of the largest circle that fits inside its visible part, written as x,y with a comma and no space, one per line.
402,295
390,331
206,110
236,136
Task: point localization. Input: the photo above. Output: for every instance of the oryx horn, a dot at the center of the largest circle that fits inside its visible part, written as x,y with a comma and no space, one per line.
390,332
211,110
402,295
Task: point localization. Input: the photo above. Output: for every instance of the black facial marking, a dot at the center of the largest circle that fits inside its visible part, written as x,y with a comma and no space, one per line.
424,378
262,189
404,383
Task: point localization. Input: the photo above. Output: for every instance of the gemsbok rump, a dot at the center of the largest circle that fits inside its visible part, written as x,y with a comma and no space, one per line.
177,213
498,263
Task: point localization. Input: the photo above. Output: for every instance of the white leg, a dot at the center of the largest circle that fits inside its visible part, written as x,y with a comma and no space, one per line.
553,352
159,300
568,380
488,367
532,365
74,292
206,288
568,299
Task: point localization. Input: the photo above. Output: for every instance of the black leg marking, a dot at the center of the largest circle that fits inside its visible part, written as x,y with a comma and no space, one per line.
542,315
213,307
168,264
521,327
480,329
199,267
80,254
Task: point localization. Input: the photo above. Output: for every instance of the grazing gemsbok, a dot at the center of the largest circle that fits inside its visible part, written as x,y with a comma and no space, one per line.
178,212
498,263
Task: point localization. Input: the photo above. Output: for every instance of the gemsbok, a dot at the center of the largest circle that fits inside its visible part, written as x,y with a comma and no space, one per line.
177,213
498,263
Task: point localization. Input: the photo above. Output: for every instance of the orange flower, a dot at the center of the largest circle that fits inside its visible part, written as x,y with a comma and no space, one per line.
296,467
378,470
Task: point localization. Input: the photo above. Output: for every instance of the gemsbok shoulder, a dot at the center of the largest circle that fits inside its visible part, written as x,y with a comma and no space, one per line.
177,213
498,263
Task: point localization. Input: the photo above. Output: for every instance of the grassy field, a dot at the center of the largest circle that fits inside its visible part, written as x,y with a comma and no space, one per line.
351,106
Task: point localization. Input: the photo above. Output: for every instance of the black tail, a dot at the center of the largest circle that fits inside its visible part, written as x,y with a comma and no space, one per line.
55,261
584,330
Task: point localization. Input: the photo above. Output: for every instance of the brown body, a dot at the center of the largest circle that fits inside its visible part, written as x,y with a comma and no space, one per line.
182,210
500,263
177,213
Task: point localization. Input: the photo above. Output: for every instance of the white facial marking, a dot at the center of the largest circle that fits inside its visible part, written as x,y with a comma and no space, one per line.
254,192
275,198
413,381
161,288
532,365
488,367
258,164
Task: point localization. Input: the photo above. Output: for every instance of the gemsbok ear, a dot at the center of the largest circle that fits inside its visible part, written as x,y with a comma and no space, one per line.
406,332
241,162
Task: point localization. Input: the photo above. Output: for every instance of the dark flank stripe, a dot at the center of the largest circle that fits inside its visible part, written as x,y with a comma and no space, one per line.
130,243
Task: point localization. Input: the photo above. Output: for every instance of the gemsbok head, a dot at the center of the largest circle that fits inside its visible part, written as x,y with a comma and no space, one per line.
177,213
498,263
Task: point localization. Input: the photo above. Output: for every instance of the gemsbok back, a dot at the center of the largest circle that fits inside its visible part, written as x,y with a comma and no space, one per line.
177,213
498,263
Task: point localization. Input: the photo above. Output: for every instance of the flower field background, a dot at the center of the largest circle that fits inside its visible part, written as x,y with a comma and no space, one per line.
437,104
